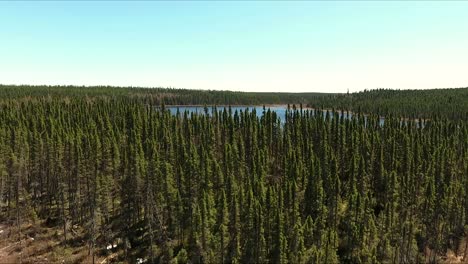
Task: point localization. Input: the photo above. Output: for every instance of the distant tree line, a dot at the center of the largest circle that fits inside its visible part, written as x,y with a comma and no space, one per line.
232,187
158,96
450,103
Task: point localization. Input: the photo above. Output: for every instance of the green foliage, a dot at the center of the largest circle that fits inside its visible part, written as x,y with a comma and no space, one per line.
449,103
234,187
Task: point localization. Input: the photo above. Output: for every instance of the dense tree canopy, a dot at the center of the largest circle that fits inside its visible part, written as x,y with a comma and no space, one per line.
450,103
233,187
157,96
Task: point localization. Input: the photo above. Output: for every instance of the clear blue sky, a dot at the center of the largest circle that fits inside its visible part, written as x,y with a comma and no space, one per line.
236,45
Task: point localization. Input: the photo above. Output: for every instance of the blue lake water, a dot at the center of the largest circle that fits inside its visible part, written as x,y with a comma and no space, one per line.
280,110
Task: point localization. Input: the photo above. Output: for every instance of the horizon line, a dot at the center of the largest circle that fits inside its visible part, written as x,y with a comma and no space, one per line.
221,90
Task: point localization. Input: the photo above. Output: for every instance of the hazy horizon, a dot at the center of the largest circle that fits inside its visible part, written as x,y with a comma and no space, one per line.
201,89
241,46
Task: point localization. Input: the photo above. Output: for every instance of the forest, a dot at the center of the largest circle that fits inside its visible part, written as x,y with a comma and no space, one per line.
112,166
451,103
158,96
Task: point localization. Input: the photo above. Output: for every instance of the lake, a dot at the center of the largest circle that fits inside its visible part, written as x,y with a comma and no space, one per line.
280,110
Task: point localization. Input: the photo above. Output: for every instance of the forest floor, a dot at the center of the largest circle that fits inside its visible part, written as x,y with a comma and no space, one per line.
41,244
5,254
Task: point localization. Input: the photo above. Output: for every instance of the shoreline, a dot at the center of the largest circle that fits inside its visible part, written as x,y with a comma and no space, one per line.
285,106
225,105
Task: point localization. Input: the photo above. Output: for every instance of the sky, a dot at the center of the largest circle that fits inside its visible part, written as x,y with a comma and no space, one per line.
278,46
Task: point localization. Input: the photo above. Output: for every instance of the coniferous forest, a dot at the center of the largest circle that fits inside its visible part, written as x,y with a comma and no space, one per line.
451,103
112,166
